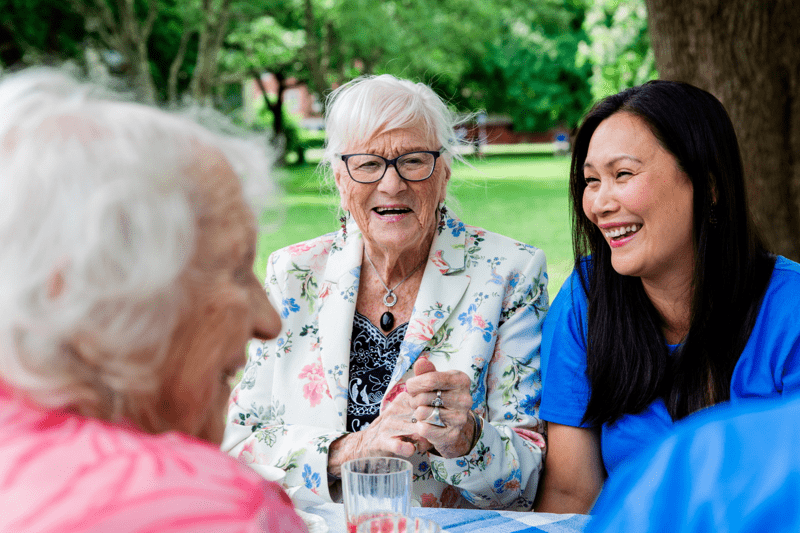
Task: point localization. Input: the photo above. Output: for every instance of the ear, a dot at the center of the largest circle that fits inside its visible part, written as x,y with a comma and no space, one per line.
443,191
340,177
713,186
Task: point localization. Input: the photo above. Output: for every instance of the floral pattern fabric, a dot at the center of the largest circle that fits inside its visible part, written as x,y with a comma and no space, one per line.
479,309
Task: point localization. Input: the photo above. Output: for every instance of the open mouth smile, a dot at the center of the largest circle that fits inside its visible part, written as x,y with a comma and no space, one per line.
390,211
622,232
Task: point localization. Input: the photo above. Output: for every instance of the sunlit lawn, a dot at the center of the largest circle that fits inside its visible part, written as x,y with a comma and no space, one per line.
522,196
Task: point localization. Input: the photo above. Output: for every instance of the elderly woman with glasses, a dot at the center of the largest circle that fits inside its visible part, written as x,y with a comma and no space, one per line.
407,333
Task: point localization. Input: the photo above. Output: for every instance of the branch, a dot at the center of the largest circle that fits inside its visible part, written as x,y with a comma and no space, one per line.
152,13
175,66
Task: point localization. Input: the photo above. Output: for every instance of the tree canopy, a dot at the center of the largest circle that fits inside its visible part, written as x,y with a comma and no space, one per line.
539,63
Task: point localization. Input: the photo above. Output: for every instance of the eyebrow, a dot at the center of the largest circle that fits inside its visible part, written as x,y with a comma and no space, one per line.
613,160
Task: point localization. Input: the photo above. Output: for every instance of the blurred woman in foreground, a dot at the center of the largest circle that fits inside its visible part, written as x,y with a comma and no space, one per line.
127,295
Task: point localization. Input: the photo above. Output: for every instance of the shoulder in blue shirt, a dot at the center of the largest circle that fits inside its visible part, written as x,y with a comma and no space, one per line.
768,366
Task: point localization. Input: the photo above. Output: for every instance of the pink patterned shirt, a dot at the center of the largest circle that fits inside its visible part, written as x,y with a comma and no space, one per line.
64,473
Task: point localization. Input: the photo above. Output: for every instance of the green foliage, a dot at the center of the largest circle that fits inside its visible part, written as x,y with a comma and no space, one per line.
263,44
542,63
36,31
618,49
530,71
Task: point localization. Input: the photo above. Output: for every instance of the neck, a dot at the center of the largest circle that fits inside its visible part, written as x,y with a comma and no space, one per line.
673,301
394,265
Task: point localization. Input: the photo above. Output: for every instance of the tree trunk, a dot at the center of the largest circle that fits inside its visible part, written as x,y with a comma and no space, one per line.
124,33
317,64
212,34
278,139
175,67
746,53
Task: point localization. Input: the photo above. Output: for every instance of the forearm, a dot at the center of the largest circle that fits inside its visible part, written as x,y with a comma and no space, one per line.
574,474
574,498
340,451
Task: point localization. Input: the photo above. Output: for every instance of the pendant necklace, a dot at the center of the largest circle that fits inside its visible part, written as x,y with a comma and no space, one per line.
390,298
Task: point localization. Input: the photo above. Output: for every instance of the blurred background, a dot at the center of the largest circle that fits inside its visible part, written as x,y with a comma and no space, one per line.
523,72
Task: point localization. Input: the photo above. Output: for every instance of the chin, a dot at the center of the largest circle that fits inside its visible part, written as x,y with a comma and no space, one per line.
624,268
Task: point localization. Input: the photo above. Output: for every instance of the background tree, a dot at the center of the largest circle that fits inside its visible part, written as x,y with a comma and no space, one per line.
747,53
124,26
36,31
530,71
263,45
617,46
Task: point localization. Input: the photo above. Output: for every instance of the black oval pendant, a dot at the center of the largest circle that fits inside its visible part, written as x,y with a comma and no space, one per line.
387,321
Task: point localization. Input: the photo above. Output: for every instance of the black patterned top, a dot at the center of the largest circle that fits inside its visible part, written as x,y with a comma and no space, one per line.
373,357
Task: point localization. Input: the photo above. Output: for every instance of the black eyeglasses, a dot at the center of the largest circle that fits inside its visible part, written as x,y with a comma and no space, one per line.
369,168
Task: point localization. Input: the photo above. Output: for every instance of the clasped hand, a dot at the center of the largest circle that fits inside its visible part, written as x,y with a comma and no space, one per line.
400,430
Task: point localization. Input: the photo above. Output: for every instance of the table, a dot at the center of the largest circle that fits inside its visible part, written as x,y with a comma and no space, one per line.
467,520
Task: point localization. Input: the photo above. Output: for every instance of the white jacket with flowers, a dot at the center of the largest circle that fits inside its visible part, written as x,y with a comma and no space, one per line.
479,310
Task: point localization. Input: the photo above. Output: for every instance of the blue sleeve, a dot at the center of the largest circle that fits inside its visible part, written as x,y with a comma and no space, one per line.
770,362
565,389
731,468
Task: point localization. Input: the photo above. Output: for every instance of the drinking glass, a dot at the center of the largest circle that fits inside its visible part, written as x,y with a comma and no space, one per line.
375,487
398,524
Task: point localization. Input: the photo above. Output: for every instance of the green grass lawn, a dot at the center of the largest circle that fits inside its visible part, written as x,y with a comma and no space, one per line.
522,196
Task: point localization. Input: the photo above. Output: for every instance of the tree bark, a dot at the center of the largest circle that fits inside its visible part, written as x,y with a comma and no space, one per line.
746,53
316,59
125,34
212,34
175,67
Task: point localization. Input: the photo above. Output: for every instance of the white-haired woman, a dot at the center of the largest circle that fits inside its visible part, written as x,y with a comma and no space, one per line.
126,299
406,333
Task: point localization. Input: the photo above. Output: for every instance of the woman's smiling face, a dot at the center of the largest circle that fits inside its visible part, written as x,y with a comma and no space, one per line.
641,200
394,214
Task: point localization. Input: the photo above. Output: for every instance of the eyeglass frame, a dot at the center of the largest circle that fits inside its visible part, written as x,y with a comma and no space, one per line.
393,162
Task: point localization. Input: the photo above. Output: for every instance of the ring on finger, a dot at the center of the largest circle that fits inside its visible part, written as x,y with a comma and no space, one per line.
438,402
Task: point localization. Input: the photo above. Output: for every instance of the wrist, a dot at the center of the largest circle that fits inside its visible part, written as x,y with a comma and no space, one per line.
337,456
477,430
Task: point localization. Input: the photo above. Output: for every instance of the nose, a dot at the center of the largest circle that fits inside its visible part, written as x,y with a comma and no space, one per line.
266,323
392,183
600,200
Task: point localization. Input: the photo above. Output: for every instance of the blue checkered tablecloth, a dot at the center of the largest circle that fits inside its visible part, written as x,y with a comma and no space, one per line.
465,520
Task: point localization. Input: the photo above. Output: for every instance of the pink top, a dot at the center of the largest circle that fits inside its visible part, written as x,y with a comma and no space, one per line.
64,473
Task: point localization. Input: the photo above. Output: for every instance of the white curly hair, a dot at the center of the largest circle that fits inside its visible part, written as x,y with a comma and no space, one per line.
98,222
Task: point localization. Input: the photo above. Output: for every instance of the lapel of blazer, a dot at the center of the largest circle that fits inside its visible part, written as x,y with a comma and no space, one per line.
443,286
337,310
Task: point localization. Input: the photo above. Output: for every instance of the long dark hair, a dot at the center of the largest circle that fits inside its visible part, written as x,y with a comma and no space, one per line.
628,363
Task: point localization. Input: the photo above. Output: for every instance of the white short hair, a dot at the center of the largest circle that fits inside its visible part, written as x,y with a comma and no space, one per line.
370,105
98,222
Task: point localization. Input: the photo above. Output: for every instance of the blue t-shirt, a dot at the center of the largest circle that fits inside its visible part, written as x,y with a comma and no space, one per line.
732,468
768,366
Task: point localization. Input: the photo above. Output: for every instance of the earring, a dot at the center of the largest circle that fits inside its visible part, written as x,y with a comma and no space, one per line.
712,215
343,222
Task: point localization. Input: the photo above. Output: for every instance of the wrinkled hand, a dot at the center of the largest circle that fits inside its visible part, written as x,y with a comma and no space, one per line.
455,438
391,434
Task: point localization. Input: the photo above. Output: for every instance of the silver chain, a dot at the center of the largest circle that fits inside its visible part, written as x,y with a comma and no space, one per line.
390,292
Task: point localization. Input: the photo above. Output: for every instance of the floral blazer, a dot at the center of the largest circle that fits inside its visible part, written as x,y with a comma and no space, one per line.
479,309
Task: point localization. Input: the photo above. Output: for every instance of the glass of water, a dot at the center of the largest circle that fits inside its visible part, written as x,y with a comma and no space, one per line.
375,487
